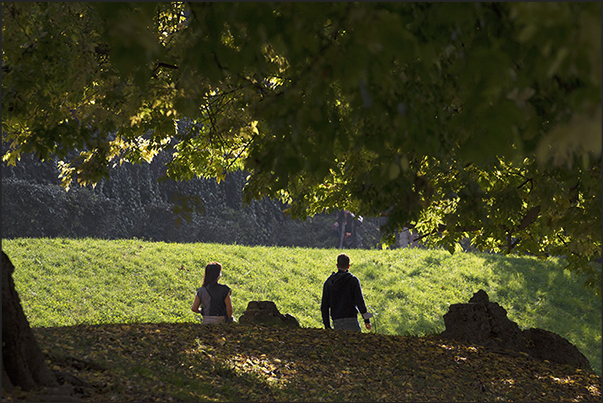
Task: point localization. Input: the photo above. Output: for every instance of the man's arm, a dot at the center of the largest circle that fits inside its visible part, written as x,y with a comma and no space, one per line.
325,305
359,301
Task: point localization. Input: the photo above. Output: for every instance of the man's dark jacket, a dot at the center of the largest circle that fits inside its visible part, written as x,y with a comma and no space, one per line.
341,294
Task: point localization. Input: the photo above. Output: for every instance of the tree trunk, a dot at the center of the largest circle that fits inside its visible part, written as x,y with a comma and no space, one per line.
23,363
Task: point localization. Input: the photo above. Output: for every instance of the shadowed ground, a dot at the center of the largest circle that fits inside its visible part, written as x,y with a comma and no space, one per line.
189,362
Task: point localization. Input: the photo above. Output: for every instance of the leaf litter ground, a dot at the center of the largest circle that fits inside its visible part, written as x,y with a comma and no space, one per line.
192,362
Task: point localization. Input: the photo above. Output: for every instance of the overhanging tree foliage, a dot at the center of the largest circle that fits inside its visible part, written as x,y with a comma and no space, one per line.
479,120
462,120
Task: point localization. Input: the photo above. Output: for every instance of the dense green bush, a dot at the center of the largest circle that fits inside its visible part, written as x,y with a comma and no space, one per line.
136,203
34,210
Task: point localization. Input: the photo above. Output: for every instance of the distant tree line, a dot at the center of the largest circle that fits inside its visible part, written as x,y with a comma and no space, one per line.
135,203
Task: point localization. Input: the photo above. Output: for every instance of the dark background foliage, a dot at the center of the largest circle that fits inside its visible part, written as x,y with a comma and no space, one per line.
136,203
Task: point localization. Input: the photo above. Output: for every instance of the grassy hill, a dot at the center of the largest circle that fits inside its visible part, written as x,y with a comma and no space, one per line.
77,283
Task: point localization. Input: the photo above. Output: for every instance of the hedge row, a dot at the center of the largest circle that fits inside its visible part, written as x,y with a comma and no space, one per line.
135,204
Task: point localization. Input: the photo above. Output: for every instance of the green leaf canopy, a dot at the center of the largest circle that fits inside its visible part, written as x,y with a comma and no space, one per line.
479,120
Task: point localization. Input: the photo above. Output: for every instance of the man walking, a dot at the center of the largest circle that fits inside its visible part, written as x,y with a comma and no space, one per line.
342,296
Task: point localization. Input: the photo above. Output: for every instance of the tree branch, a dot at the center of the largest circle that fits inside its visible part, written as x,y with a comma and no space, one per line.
529,218
166,65
442,228
530,181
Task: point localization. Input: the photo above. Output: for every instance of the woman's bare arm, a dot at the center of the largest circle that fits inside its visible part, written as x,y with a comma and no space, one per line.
196,304
228,303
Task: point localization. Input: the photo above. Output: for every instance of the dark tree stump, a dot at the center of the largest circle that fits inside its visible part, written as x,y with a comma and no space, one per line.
23,363
267,314
485,323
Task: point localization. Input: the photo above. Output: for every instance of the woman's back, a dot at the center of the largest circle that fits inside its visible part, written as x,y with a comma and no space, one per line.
213,302
213,299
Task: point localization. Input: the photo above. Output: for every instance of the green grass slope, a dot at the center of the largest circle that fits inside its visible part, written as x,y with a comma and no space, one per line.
67,282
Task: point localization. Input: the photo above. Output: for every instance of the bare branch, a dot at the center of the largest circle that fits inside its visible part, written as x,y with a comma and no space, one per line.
529,218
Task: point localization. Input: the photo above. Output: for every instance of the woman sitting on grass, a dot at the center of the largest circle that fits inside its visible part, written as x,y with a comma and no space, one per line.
213,299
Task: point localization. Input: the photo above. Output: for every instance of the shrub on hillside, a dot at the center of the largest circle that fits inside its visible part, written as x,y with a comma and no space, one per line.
45,210
134,203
